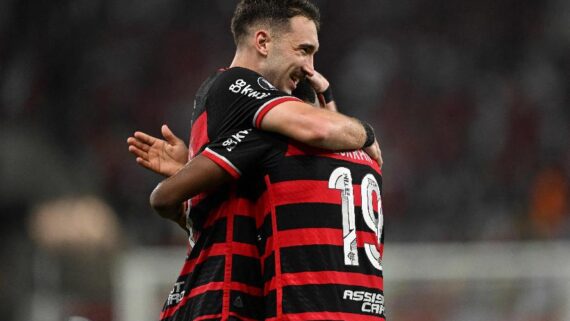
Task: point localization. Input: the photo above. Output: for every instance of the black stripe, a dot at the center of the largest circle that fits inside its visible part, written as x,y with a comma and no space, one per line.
201,212
246,305
245,230
247,270
271,304
210,236
269,267
327,297
323,258
202,304
316,215
211,270
263,233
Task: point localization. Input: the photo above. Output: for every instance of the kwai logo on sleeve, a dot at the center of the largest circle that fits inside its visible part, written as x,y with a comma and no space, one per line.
240,86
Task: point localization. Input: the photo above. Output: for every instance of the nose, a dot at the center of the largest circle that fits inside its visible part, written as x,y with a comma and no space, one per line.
308,67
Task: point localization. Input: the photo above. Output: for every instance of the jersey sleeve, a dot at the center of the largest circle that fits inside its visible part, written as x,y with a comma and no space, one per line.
245,151
240,99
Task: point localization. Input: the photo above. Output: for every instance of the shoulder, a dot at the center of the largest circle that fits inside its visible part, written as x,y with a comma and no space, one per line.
234,73
242,81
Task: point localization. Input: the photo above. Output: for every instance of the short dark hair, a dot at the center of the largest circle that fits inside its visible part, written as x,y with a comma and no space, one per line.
275,13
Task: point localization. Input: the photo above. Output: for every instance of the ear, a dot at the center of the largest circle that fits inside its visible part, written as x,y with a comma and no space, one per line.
262,40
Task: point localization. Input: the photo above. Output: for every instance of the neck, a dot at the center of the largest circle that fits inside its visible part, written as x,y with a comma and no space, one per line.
245,59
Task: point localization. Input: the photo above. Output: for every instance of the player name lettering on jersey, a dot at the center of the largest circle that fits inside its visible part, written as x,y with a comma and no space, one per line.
242,87
371,302
176,295
355,154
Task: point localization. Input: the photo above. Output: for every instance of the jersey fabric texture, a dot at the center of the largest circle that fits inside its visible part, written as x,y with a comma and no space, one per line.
321,233
221,276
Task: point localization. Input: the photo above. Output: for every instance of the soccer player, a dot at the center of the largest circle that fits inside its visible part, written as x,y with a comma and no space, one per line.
320,232
276,42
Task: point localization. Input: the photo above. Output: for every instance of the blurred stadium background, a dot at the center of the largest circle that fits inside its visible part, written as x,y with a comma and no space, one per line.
471,100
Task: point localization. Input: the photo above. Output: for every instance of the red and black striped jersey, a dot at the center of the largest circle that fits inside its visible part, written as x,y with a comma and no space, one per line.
221,276
321,232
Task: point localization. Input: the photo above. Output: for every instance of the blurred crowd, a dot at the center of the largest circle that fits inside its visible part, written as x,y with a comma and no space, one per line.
471,101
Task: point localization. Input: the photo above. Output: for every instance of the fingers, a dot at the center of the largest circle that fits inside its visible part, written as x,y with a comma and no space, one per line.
378,151
318,81
135,142
138,152
169,135
374,152
145,138
144,163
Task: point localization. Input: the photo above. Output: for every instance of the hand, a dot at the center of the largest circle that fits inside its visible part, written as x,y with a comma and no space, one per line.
375,153
164,157
318,81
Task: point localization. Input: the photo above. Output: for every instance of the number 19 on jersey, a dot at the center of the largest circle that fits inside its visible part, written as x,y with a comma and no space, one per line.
341,179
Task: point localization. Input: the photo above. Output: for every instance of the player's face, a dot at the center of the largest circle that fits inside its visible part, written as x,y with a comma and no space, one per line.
292,53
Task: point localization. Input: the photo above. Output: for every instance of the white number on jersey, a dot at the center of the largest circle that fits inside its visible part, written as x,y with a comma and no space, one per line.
341,179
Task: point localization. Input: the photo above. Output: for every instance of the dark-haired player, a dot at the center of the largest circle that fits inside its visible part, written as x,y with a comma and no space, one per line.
276,42
320,232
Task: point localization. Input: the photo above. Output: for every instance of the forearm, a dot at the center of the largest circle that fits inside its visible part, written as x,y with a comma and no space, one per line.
171,211
339,132
316,127
342,133
199,175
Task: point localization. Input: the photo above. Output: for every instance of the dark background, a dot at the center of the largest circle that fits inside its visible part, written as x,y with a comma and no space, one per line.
470,100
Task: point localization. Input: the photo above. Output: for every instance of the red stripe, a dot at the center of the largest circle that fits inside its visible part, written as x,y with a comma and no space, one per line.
222,163
266,108
209,316
240,205
355,156
199,134
313,191
294,192
198,198
218,315
321,236
277,255
326,316
240,317
234,286
198,138
325,277
333,277
228,267
234,205
215,214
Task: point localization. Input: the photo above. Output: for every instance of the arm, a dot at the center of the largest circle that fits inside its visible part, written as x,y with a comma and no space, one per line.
315,126
318,127
199,175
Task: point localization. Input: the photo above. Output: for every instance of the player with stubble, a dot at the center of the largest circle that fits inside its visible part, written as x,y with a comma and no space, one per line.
276,42
320,233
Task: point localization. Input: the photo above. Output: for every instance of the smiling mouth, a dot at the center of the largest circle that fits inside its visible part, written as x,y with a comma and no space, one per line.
296,80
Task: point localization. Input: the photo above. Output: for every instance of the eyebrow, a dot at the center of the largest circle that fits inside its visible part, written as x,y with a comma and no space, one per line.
311,48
